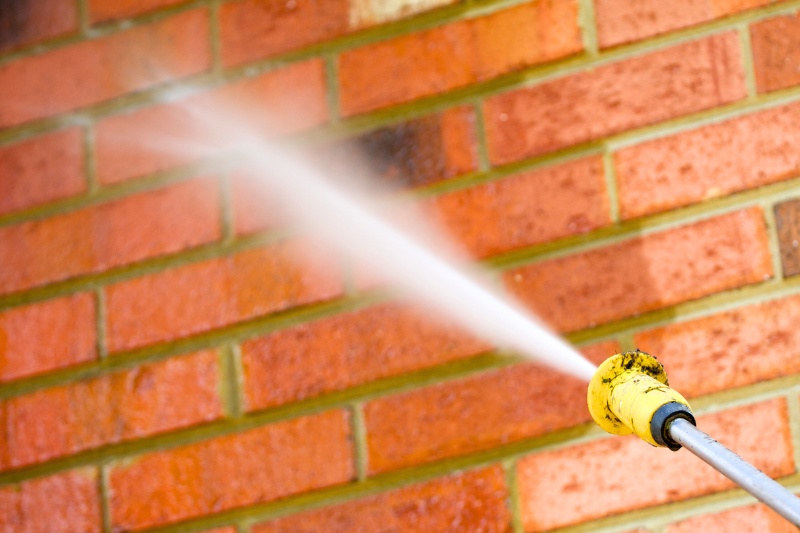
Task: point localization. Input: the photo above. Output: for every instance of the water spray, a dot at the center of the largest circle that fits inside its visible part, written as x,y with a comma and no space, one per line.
629,393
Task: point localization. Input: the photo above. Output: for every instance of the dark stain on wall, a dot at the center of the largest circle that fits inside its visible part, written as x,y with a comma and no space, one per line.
15,18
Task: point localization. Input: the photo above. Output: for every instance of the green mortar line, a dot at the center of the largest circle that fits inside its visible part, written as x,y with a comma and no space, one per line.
214,39
231,380
746,49
793,404
105,500
588,25
226,222
83,17
610,176
773,238
360,447
513,501
89,166
100,323
332,87
482,148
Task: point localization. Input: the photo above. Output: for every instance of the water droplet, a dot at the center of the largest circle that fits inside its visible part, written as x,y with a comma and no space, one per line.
503,117
795,244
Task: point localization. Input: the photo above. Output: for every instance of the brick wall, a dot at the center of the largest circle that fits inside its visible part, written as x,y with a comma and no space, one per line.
172,358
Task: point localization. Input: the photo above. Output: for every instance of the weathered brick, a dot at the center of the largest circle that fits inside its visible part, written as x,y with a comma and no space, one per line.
646,273
776,52
613,98
526,209
25,22
787,219
203,296
347,350
733,349
96,70
709,162
258,466
109,235
118,407
589,481
456,55
751,519
63,503
104,10
41,170
474,414
623,21
460,503
47,336
161,137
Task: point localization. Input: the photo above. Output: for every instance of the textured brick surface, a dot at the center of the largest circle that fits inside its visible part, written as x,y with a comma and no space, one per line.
646,273
346,350
41,170
24,22
144,401
458,54
109,235
751,519
63,503
776,52
103,10
462,503
161,137
593,480
527,209
47,336
474,414
736,348
625,21
260,465
787,219
207,295
613,98
92,71
709,162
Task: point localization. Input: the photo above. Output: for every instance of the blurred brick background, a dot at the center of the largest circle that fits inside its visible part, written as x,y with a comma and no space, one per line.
172,358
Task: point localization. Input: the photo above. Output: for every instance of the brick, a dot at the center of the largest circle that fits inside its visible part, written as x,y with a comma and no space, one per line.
25,22
230,529
776,52
109,235
646,273
460,503
92,71
787,219
457,55
63,503
348,350
40,170
47,336
526,209
614,98
474,414
733,349
254,206
709,162
589,481
207,124
623,21
105,10
203,296
751,519
144,401
258,466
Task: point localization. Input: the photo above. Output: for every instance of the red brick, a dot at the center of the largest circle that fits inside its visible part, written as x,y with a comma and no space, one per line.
750,519
41,170
27,22
109,235
63,503
215,293
206,124
258,466
527,209
254,205
623,21
118,407
47,336
787,225
733,349
474,414
230,529
103,10
461,503
613,98
610,476
776,52
646,273
348,350
96,70
712,161
456,55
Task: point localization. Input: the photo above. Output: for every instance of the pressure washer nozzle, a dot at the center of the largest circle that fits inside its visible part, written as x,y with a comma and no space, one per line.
629,393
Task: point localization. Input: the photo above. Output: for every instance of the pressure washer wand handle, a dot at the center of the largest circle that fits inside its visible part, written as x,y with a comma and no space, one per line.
736,469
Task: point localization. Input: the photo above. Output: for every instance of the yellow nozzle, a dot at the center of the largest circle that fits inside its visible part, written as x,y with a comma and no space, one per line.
629,393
